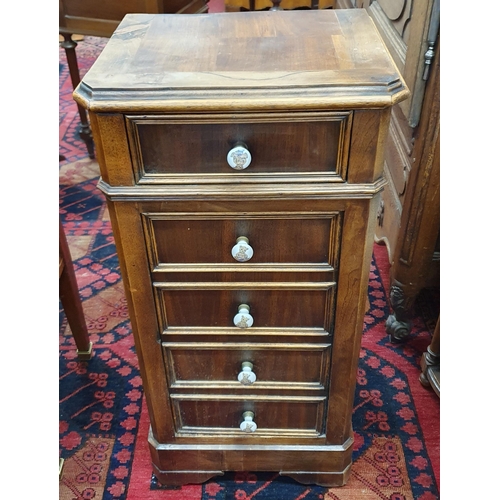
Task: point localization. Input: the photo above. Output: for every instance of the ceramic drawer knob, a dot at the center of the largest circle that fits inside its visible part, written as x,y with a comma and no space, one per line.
239,157
242,251
248,425
247,376
243,319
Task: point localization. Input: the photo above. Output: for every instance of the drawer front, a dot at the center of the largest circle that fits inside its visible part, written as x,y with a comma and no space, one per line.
202,305
223,415
209,365
205,239
166,148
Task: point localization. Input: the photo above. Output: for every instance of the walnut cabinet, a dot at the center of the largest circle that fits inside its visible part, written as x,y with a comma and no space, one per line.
241,156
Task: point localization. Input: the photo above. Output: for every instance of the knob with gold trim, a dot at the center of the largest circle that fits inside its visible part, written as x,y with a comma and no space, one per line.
242,251
247,376
239,157
248,425
243,319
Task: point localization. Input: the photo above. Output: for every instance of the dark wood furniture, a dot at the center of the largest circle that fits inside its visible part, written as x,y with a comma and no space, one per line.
408,214
416,257
243,170
430,363
71,301
98,18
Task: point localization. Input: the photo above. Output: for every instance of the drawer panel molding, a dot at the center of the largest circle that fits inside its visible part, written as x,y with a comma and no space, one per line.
211,365
308,305
192,241
274,415
194,148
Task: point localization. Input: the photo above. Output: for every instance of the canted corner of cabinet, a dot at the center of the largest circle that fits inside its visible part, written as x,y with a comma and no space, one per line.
312,60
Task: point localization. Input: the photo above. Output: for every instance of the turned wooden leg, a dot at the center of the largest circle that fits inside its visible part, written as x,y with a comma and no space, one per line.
69,46
398,324
430,363
71,301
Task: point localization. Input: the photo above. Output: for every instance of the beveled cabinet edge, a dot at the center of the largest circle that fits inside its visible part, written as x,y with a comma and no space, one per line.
238,99
266,191
344,118
227,446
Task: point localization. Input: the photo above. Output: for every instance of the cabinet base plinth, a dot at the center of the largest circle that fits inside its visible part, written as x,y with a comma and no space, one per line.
328,479
180,478
179,464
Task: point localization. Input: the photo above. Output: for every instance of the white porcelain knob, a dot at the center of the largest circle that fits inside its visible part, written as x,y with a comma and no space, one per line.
243,319
242,251
239,157
248,425
247,376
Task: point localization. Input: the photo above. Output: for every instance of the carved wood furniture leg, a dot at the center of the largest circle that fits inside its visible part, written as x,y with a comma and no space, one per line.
398,324
69,46
70,299
430,363
416,260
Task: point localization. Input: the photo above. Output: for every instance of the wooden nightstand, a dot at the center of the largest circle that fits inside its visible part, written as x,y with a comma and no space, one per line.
242,156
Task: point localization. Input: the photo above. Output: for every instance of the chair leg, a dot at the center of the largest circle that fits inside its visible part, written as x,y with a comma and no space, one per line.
69,46
71,301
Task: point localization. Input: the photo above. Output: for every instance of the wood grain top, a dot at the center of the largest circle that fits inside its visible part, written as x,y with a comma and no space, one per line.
243,60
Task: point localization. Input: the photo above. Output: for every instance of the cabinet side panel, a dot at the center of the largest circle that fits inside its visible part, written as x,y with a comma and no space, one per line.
369,135
357,248
127,229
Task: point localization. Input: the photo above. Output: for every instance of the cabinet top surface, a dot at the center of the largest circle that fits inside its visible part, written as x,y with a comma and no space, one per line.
309,57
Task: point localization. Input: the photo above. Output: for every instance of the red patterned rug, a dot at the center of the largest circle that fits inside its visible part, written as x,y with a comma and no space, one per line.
104,423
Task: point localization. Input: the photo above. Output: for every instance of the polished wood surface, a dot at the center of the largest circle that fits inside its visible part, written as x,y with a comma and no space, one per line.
276,365
204,147
244,61
272,308
307,207
176,239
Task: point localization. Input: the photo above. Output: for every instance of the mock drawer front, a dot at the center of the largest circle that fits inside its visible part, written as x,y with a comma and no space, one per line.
166,148
275,238
247,365
270,306
223,415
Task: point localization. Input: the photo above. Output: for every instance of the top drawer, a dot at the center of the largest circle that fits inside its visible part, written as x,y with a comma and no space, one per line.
279,147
